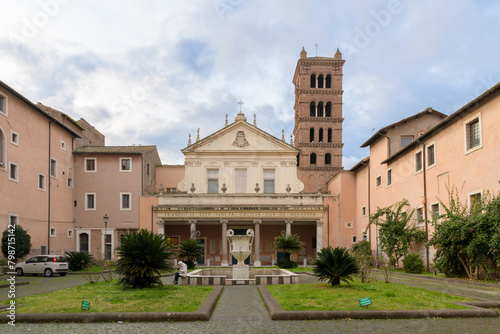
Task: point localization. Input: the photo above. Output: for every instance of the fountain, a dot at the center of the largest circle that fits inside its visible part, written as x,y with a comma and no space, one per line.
240,248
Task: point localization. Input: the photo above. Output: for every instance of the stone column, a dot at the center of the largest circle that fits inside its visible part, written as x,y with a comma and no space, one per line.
224,262
319,235
161,225
256,261
192,229
288,230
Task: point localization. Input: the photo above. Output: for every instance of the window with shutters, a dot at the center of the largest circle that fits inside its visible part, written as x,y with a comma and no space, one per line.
213,181
473,137
269,179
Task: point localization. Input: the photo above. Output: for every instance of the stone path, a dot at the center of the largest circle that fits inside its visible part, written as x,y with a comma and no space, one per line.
240,303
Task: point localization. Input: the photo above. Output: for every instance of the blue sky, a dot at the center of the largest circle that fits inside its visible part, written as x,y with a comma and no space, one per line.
151,72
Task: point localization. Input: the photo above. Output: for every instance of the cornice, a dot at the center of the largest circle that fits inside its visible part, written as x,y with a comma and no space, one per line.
321,119
320,145
333,169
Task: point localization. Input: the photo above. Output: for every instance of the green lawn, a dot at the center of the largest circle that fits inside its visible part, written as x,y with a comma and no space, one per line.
109,297
384,296
92,269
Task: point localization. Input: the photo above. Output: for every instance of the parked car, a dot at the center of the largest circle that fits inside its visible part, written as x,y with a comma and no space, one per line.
43,264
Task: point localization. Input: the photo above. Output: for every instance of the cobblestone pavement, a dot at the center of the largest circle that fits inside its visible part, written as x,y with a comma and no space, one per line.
475,325
241,310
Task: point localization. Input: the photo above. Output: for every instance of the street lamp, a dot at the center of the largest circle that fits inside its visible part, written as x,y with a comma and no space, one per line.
105,218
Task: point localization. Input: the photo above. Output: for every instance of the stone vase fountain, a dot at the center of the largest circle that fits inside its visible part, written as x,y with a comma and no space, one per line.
240,248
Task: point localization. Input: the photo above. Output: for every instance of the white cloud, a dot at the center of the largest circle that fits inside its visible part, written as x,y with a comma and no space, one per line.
155,71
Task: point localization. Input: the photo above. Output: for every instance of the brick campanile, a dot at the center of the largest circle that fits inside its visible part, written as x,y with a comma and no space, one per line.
318,118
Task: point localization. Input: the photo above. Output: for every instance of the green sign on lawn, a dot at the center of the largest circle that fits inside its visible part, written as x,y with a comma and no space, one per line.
365,301
85,305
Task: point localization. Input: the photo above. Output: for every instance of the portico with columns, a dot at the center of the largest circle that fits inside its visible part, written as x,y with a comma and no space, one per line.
211,222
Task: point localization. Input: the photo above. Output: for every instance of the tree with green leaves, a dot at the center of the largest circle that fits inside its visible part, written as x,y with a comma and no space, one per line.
362,251
21,239
466,237
144,256
288,245
189,251
395,231
335,265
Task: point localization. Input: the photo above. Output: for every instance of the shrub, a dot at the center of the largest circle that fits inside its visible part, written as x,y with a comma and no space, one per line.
363,253
143,257
287,264
288,245
78,261
190,251
335,265
22,242
413,264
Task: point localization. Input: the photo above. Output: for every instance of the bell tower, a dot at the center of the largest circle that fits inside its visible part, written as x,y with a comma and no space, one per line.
318,118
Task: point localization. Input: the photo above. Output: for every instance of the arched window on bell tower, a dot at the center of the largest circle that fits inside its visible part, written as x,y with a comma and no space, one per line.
328,159
320,81
313,80
328,81
312,159
329,135
312,109
311,135
320,134
328,109
320,109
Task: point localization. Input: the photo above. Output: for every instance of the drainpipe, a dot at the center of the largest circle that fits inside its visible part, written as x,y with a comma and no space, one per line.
48,189
425,205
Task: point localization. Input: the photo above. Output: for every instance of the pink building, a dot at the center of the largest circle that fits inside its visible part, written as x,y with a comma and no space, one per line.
421,158
109,180
36,173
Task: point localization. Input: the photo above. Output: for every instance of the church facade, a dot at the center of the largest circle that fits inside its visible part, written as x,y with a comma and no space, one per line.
239,178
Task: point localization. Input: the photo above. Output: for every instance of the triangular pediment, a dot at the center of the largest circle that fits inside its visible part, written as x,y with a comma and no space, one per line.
240,136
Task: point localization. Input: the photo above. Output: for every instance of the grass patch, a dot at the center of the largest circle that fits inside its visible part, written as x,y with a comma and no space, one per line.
109,297
384,296
92,269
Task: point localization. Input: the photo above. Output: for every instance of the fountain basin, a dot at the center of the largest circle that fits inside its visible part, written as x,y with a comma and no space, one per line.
224,276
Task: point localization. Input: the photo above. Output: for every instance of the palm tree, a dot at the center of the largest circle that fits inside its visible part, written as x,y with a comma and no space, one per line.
335,265
190,250
143,257
78,260
288,245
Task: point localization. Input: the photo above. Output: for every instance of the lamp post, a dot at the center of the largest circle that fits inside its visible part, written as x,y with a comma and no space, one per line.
105,218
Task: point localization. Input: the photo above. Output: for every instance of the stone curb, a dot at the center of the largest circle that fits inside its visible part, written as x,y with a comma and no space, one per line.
202,314
277,313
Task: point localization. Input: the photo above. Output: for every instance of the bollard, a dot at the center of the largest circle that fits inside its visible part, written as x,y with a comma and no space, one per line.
208,262
305,263
175,263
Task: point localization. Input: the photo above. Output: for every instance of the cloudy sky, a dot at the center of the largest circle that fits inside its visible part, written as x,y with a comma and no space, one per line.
151,72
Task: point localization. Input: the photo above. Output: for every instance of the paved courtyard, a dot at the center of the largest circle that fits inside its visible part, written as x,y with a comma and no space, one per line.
241,310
